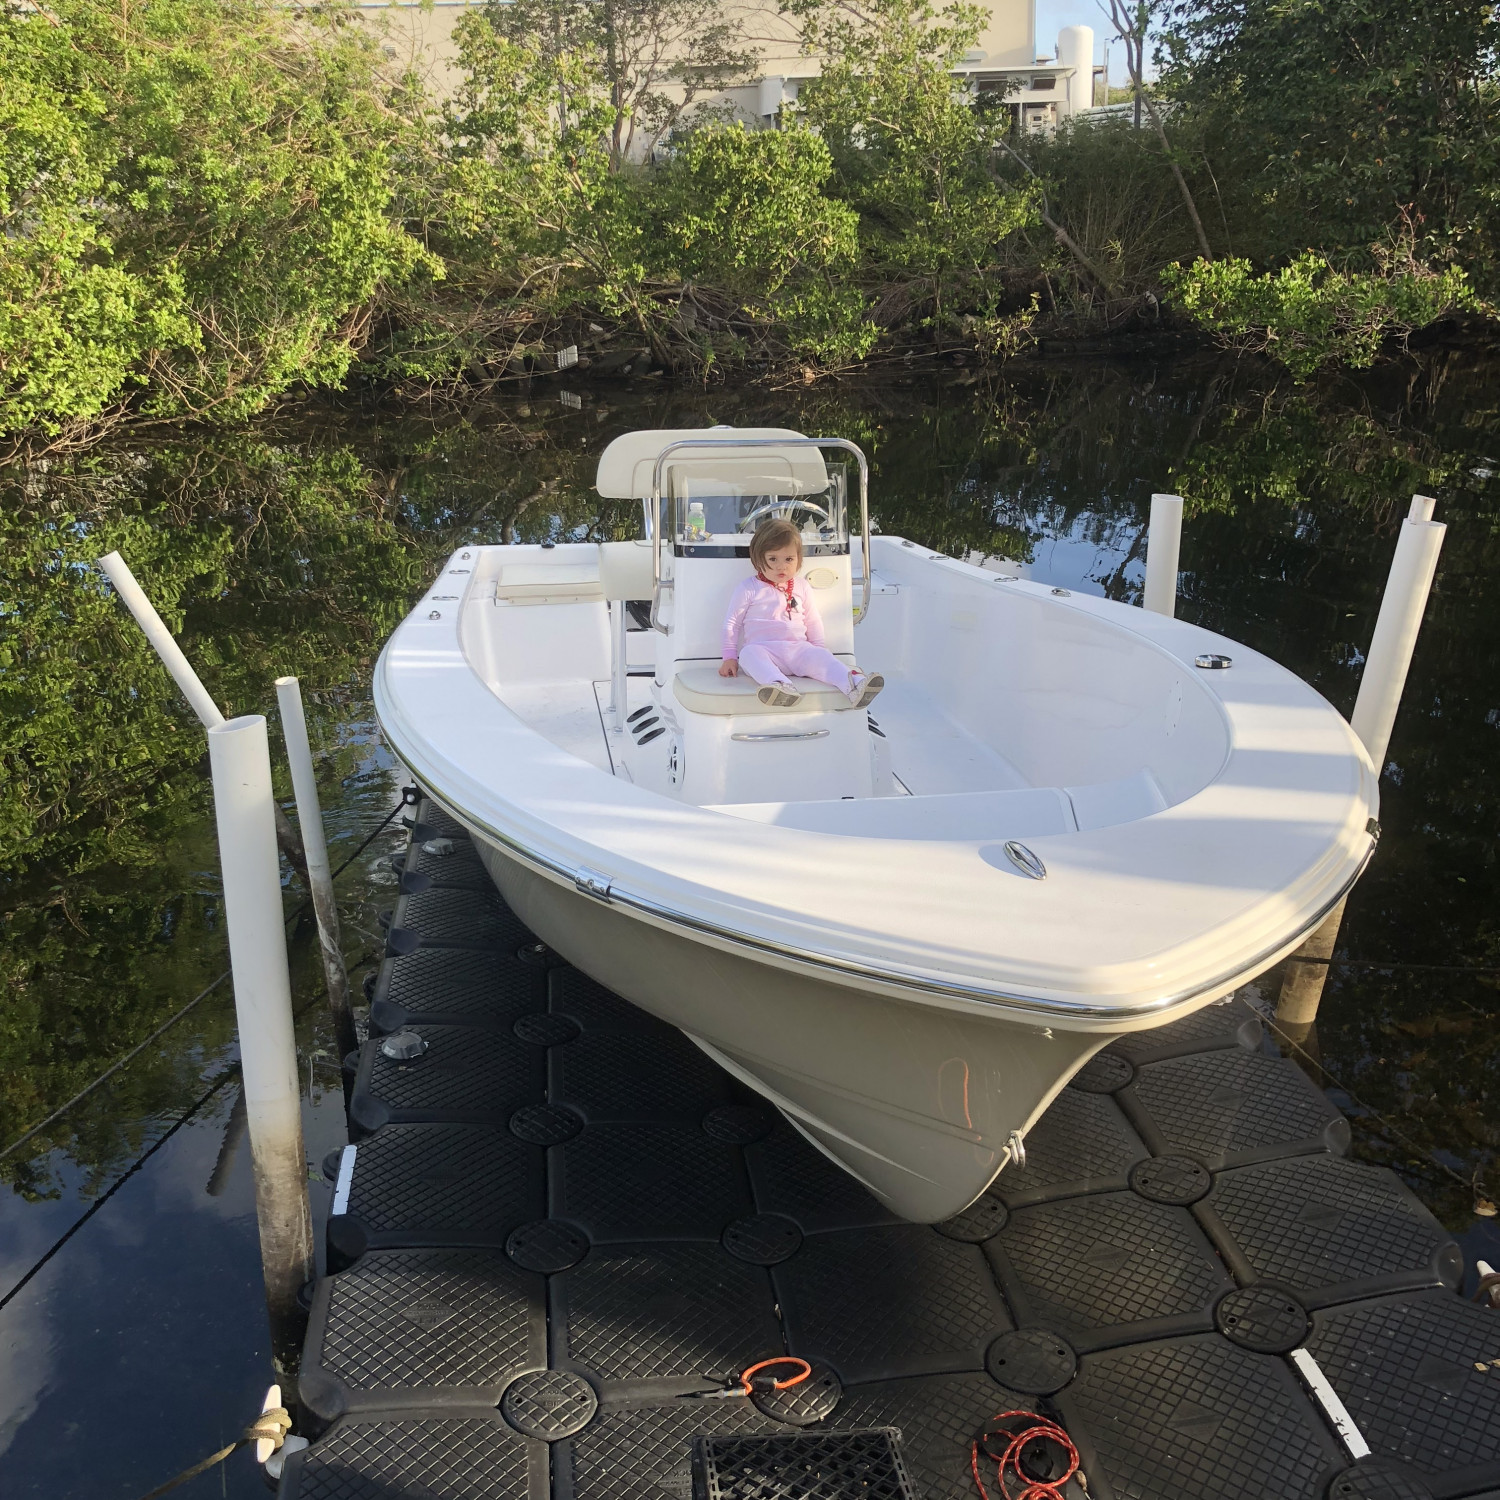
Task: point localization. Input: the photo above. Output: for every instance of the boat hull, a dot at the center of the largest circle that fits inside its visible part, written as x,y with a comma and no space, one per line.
887,970
916,1101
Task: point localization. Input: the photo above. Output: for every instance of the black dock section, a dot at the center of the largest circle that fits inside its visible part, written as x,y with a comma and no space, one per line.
559,1224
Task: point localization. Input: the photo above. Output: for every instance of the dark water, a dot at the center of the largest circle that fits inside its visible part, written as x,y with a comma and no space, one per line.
139,1346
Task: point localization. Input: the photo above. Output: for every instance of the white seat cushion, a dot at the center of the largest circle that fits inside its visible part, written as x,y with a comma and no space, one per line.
569,582
702,690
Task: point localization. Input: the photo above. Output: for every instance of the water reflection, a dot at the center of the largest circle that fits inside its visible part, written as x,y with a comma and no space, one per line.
296,548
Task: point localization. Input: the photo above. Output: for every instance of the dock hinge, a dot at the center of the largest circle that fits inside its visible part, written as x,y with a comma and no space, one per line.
592,883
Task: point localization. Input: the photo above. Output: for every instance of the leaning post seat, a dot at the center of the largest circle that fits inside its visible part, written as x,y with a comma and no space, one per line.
703,691
625,570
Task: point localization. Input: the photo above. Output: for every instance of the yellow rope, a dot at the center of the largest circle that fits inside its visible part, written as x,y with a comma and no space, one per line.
272,1426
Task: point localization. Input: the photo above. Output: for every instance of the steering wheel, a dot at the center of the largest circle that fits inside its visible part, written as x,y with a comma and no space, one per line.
792,502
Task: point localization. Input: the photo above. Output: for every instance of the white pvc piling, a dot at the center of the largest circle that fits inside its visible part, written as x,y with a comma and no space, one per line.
1380,688
155,631
240,757
161,638
319,873
1163,548
1401,608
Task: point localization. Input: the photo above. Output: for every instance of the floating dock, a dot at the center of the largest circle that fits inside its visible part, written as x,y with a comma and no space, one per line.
561,1221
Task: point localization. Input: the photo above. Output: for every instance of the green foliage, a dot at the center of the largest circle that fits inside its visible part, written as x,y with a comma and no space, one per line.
1309,314
746,212
194,198
1107,182
208,206
1349,114
641,64
911,151
731,244
254,156
74,325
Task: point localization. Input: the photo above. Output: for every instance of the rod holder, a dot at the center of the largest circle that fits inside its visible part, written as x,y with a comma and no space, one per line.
1418,544
240,759
319,872
1163,547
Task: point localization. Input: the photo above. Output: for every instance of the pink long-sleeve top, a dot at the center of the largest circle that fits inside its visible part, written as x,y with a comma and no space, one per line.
758,613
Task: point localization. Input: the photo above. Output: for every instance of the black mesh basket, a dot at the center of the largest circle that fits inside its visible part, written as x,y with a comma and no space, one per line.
860,1465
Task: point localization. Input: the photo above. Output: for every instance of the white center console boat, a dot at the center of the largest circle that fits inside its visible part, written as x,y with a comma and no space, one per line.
1063,820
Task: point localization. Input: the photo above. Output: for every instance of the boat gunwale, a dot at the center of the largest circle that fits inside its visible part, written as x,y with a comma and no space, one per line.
904,979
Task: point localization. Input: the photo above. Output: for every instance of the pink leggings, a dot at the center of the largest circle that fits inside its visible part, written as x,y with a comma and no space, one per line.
775,661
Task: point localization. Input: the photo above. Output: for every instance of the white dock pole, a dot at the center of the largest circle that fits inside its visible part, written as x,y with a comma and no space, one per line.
1401,609
1380,687
155,631
1163,547
161,638
240,757
319,874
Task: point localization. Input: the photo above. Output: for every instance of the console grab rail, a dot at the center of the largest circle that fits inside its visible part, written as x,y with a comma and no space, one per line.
654,514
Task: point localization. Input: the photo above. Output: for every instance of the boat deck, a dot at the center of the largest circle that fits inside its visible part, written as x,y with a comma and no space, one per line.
562,1218
930,753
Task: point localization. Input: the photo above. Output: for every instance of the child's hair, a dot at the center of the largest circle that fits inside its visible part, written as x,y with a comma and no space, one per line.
771,536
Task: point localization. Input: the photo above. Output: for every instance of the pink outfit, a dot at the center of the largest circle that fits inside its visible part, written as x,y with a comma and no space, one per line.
773,642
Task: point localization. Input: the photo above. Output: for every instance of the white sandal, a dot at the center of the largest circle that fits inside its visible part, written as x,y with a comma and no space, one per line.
779,695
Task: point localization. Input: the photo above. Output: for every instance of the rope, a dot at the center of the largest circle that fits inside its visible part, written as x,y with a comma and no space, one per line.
749,1384
1029,1428
171,1021
1393,963
231,1072
271,1426
1322,1067
113,1068
130,1172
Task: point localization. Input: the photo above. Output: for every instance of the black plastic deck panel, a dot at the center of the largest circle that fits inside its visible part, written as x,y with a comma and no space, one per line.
561,1223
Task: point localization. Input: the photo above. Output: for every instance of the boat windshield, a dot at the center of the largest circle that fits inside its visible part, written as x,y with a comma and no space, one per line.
709,514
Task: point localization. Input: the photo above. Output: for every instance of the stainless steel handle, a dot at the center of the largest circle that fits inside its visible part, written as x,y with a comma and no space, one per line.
761,739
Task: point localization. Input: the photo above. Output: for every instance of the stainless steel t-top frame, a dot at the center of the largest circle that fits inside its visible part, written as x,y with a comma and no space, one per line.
653,517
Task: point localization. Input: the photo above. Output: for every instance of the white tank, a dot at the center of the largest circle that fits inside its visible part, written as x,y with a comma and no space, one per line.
773,94
1075,49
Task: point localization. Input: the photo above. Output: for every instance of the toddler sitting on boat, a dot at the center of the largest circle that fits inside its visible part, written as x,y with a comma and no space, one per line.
774,631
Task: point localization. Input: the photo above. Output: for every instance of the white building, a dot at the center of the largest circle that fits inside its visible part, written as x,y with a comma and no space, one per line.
1040,90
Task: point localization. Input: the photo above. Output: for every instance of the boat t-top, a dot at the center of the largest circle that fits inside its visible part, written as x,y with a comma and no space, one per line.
907,925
